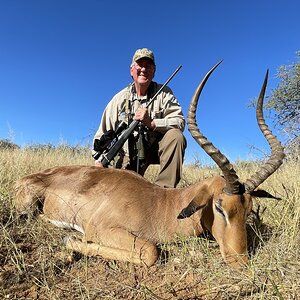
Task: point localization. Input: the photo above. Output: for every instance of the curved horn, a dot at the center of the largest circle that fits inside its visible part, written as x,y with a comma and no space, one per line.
232,180
277,155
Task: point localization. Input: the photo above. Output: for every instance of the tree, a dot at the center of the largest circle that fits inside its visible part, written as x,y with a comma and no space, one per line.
285,100
7,144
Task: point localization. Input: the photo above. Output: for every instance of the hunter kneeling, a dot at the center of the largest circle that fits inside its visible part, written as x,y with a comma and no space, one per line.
154,122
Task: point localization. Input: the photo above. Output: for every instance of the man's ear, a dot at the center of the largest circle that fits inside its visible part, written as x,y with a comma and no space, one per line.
263,194
198,202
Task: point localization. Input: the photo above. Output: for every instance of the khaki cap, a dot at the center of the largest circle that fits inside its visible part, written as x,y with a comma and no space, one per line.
143,53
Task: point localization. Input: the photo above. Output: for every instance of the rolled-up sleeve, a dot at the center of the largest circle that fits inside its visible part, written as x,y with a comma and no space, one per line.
167,112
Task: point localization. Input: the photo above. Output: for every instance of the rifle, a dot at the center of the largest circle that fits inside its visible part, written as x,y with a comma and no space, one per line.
118,141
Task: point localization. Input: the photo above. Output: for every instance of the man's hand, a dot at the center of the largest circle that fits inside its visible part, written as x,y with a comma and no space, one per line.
142,115
98,164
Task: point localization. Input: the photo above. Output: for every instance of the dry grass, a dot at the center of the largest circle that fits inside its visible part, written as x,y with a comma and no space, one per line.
35,265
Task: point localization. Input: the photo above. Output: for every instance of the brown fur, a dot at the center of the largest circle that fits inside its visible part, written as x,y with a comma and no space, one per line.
123,216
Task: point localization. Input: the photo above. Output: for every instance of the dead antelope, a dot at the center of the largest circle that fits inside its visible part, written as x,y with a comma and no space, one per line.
124,217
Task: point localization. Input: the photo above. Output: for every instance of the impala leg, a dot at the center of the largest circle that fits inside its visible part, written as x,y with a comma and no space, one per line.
128,248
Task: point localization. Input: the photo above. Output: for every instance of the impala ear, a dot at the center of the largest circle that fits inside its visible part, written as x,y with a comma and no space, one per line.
198,202
189,210
263,194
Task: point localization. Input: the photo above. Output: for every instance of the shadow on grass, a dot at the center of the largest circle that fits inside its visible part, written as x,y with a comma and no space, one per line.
258,234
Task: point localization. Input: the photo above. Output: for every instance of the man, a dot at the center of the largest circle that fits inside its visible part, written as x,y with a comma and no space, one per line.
159,138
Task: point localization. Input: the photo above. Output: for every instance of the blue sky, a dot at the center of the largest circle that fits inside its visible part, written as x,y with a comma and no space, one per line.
61,61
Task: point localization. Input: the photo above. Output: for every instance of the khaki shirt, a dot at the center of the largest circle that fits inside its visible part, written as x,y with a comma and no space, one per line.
164,110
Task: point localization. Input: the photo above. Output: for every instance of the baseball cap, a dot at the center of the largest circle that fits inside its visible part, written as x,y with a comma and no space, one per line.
143,53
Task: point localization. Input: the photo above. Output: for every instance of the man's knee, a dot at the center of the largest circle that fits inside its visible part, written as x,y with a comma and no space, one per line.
175,135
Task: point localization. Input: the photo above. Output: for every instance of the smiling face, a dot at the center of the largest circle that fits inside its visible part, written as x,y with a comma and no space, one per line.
142,72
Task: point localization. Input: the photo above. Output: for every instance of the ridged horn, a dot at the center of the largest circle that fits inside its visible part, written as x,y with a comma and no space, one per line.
277,149
232,181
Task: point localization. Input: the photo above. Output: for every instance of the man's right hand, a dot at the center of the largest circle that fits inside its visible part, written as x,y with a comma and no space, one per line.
142,115
98,164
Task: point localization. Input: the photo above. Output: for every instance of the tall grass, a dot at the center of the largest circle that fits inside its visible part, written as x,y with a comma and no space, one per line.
34,263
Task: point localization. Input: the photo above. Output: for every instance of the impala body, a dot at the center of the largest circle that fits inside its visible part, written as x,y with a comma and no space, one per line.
122,216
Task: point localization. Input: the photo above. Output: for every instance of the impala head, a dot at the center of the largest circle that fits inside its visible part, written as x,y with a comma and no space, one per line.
231,202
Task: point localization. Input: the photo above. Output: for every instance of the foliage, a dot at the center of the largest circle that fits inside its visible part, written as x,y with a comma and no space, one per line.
7,144
285,99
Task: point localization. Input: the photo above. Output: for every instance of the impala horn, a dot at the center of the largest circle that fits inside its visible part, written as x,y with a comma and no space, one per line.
277,149
233,185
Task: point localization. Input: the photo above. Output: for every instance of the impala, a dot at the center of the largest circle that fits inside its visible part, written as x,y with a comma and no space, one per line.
123,216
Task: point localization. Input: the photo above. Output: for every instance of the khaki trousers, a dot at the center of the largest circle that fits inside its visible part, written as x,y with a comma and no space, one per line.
168,152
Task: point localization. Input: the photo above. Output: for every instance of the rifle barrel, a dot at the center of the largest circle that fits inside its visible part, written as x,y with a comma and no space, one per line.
162,87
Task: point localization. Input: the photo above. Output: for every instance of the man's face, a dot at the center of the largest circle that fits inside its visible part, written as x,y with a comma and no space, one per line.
142,71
